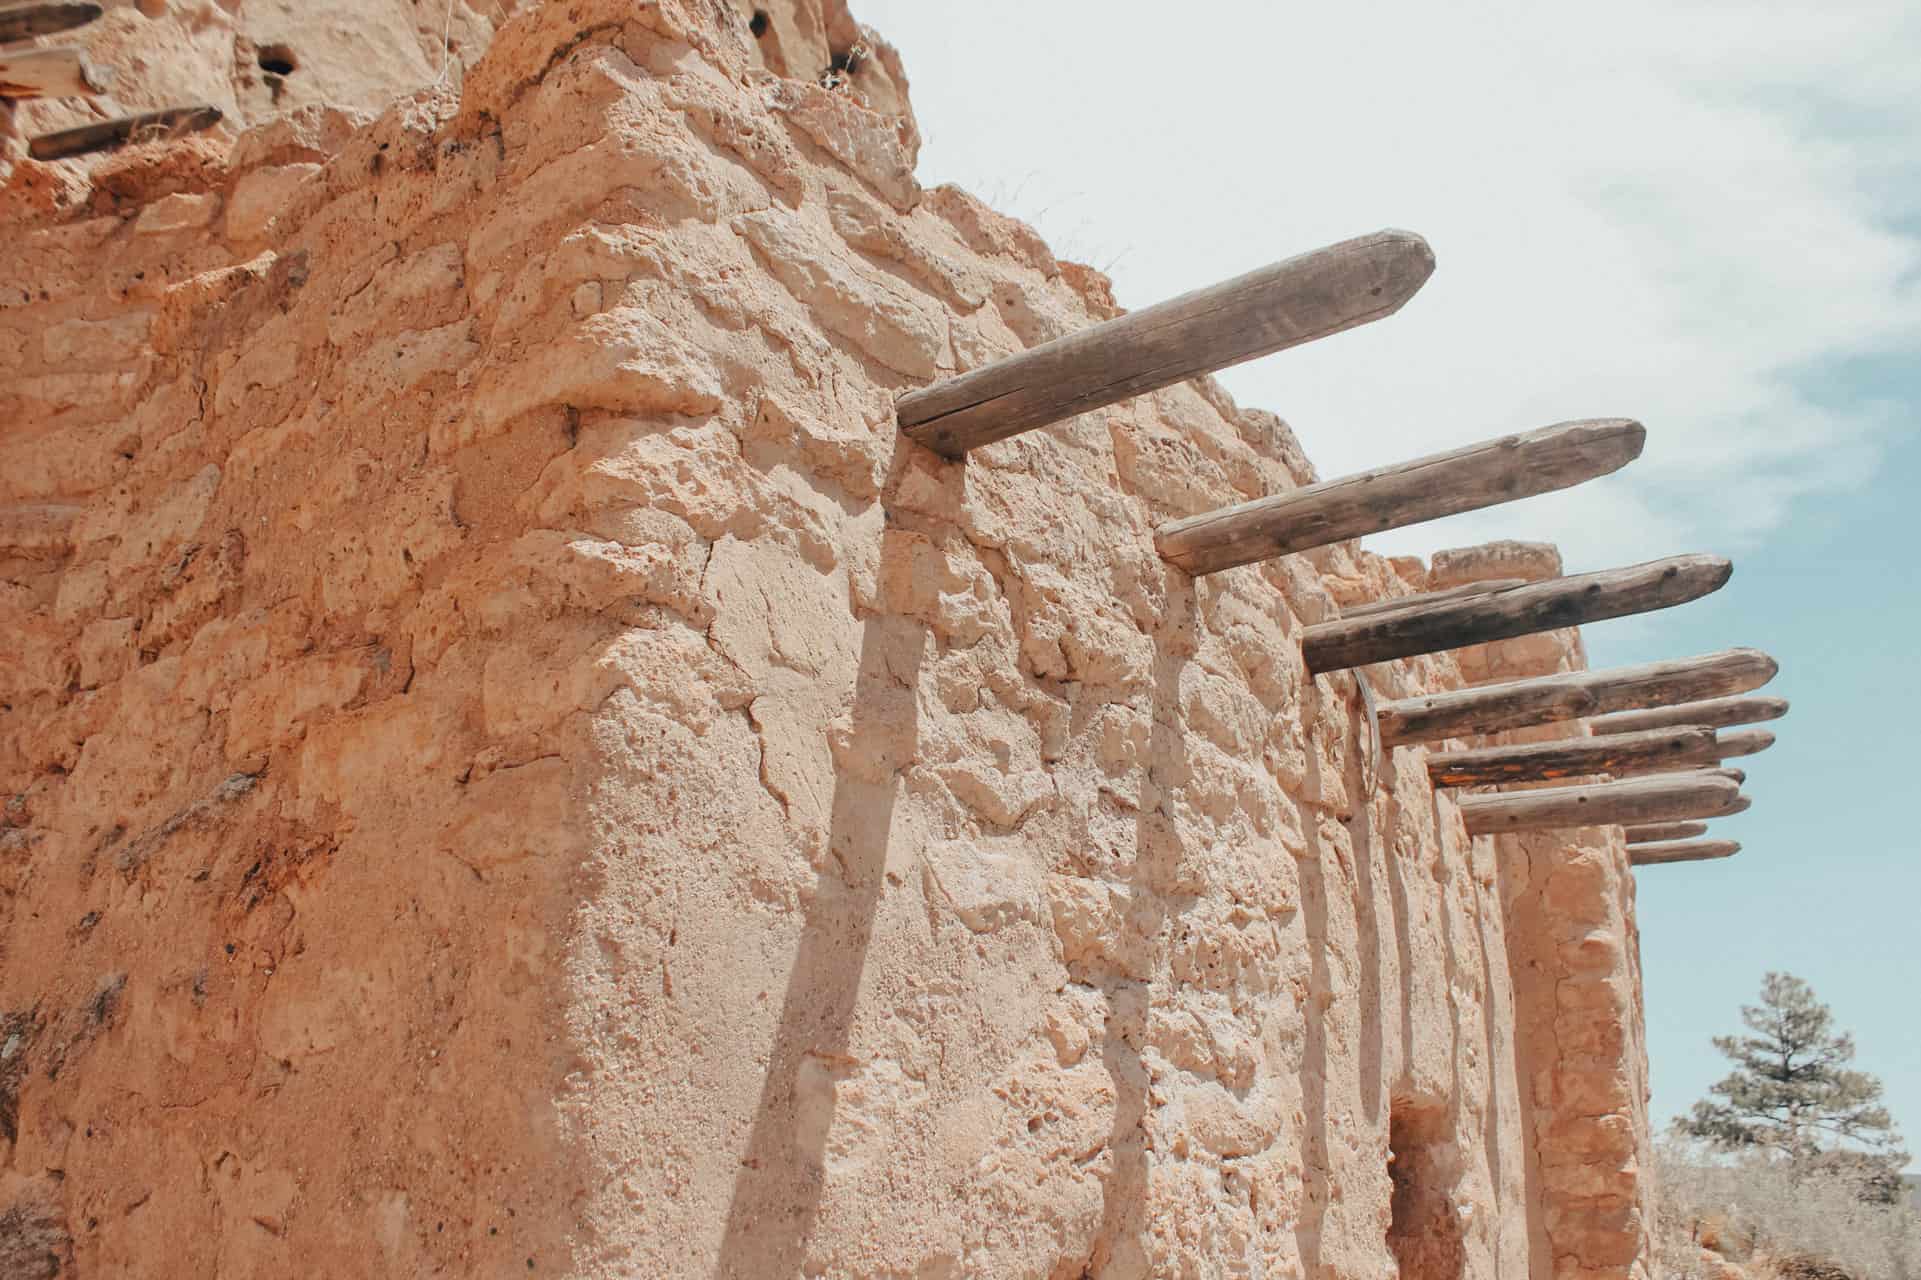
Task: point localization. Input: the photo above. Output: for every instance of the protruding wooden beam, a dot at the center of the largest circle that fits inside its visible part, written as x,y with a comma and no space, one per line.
152,126
1731,774
59,72
1374,608
43,18
1643,800
1572,758
1660,831
1654,855
1518,611
1442,484
1279,306
1715,713
1732,746
1517,704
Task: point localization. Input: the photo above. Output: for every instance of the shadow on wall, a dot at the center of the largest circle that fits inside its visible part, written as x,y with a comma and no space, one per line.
1320,985
777,1193
1118,1245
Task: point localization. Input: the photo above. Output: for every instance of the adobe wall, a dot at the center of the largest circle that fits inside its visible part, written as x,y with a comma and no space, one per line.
511,764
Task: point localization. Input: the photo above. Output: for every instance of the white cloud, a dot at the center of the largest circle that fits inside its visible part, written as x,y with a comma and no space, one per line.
1674,211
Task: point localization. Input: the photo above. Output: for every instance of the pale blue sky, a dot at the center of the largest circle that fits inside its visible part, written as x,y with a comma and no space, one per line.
1703,215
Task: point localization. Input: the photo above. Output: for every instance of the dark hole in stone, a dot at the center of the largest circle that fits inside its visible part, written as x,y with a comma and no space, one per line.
759,23
277,60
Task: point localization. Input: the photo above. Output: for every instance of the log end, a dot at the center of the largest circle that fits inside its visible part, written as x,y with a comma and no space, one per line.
1407,260
1706,574
1633,435
1765,667
1746,743
1612,442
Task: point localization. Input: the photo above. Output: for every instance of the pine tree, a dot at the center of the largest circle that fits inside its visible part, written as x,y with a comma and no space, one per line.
1792,1093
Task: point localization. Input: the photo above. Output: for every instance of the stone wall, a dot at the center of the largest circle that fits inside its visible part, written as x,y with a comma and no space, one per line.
511,764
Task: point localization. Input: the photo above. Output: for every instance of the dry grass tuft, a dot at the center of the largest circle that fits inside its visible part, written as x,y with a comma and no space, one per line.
1725,1218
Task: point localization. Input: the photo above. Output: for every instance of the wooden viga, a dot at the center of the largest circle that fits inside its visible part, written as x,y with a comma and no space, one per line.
1517,611
1667,798
1291,302
1375,608
1714,713
1662,832
43,18
1570,695
1725,746
1652,855
1657,750
1442,484
150,126
1620,754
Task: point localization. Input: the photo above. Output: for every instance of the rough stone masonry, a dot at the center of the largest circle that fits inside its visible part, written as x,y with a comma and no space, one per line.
510,765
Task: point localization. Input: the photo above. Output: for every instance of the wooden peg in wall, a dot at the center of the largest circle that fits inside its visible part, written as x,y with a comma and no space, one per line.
1279,306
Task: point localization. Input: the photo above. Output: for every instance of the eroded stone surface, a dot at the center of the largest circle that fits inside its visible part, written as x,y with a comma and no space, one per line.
510,763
